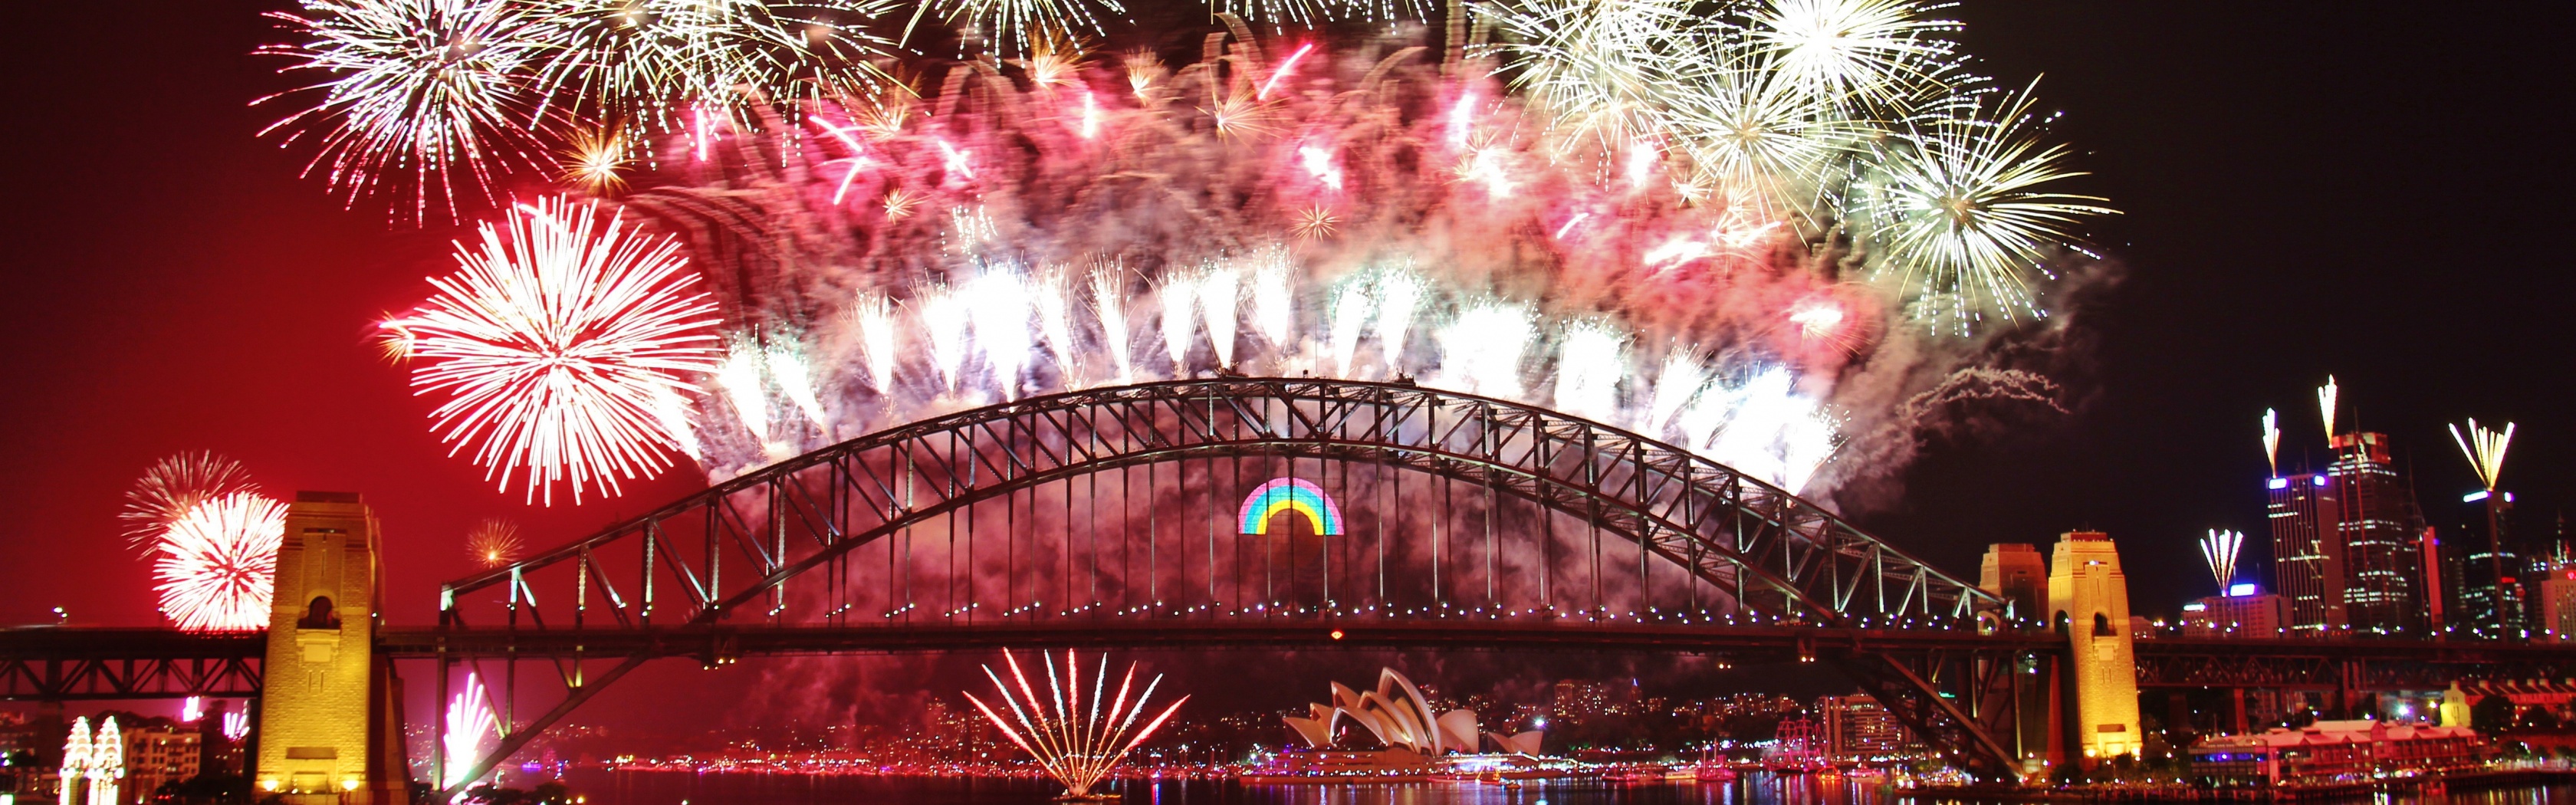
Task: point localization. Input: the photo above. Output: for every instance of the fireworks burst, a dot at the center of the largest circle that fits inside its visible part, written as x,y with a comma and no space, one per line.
1961,217
2272,440
553,343
1875,51
493,543
2220,548
174,487
469,720
1070,736
218,563
2326,395
1658,173
437,89
2484,448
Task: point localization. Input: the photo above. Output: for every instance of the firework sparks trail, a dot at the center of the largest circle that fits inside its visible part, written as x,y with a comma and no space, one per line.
997,302
875,321
1078,745
945,319
1054,298
1221,304
1680,380
175,486
2484,448
673,413
1399,296
493,543
442,96
469,719
2326,396
439,88
1274,299
1588,369
1352,311
739,376
553,340
2272,440
784,358
218,563
1179,294
2220,548
1109,305
1481,351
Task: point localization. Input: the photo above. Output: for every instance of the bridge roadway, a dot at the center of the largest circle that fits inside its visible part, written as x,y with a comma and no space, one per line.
119,663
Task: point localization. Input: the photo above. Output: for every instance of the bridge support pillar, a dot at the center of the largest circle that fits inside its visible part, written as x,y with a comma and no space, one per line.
2089,603
330,727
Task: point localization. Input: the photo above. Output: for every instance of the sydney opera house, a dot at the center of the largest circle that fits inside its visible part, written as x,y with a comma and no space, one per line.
1398,717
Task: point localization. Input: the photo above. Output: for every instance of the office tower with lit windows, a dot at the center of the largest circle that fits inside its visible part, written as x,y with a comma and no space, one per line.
2307,562
2347,548
2490,598
2377,527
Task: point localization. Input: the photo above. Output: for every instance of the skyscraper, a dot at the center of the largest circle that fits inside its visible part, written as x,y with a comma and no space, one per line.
2377,529
2491,599
2307,561
2346,547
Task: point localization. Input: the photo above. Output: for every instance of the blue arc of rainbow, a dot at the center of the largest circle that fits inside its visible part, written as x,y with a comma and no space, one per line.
1291,495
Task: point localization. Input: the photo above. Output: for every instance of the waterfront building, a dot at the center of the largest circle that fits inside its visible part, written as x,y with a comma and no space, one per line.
1858,727
2334,751
157,753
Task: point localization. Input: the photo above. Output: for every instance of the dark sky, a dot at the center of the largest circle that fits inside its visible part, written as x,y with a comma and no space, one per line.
2378,191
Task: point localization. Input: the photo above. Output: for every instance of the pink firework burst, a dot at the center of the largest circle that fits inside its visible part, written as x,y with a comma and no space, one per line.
172,488
218,563
553,343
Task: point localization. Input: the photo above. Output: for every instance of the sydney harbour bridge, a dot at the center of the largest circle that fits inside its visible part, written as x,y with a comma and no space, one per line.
1239,512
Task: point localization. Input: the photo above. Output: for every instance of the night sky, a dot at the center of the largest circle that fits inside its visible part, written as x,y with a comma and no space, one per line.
2380,192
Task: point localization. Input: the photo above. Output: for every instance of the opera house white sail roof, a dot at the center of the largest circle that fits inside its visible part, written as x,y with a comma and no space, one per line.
1399,717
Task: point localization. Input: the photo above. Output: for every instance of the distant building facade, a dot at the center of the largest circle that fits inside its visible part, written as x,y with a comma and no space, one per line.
1857,726
2251,615
2015,572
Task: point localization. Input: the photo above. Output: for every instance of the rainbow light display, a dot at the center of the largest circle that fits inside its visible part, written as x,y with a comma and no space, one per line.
1291,495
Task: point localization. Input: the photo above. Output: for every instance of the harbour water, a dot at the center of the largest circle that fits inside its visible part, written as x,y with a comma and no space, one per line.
685,788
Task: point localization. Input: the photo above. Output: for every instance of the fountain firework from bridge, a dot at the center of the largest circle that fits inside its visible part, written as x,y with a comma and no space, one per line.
1115,516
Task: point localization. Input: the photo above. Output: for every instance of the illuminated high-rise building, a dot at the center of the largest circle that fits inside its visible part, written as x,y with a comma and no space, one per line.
2307,562
2377,526
2490,598
2347,550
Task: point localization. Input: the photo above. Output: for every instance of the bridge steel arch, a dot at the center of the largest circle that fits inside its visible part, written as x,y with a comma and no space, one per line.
729,554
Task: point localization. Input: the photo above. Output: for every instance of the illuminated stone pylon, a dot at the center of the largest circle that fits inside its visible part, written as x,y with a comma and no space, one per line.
327,700
2088,601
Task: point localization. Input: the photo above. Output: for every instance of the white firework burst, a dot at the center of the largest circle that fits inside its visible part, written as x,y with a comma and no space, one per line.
554,342
1960,215
1877,52
429,95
